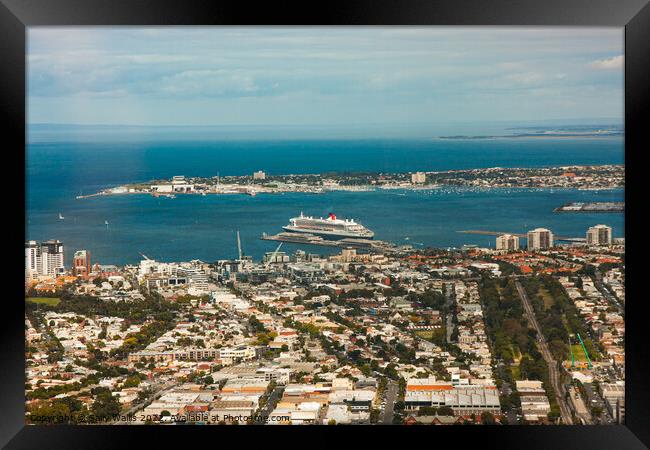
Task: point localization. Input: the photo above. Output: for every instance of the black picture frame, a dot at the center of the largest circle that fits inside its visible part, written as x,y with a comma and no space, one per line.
634,15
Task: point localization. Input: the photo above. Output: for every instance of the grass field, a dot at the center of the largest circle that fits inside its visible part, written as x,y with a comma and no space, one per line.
515,372
516,354
546,297
425,334
578,354
53,301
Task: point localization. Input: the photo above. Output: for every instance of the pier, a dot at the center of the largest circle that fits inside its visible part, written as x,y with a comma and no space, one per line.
311,239
610,207
520,235
89,195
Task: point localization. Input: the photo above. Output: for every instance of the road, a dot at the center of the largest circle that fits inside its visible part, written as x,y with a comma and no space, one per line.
450,305
391,395
594,399
268,408
506,389
158,391
553,372
579,406
598,282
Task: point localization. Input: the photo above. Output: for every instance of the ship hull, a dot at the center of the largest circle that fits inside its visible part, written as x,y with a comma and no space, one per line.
329,234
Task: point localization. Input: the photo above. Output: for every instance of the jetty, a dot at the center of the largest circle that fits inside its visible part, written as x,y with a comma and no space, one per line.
312,239
89,195
592,207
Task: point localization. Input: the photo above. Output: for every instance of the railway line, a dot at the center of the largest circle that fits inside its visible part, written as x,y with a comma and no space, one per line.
553,371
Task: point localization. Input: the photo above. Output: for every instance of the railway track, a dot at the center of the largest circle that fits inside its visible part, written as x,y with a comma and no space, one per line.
553,371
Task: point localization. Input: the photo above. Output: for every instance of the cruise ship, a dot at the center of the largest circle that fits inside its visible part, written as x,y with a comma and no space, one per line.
330,227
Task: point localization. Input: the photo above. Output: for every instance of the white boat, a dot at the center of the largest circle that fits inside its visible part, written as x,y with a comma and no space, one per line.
61,217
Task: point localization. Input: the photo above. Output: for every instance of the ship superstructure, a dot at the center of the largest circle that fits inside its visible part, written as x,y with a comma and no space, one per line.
329,227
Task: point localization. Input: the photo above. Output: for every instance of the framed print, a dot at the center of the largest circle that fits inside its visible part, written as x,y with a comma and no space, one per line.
370,218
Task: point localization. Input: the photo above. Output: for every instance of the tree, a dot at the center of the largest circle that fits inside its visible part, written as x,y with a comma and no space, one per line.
105,405
445,411
487,418
131,381
50,413
427,411
331,422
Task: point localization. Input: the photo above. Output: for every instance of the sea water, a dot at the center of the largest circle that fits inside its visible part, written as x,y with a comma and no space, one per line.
204,227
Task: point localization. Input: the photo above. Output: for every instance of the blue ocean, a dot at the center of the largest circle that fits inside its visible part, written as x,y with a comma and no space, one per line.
61,167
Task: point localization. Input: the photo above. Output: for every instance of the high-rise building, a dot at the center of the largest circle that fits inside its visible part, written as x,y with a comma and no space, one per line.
197,278
81,262
52,257
507,242
540,239
259,175
418,178
45,258
32,259
599,235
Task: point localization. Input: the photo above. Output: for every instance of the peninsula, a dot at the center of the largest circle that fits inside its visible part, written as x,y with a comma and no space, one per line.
576,177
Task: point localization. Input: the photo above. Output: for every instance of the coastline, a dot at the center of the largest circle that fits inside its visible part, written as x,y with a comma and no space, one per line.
603,177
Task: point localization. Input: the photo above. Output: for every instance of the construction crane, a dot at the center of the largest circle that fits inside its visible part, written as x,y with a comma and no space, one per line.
585,350
239,252
273,255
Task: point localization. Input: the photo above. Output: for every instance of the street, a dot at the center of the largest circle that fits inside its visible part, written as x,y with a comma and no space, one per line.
391,395
579,406
598,282
450,304
272,400
594,399
158,391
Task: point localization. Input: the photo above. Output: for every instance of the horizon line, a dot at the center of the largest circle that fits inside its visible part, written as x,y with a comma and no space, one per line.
615,121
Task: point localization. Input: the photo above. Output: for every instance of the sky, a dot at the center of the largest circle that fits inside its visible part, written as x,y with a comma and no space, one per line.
323,76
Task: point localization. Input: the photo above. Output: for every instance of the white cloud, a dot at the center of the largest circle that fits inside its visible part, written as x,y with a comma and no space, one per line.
384,72
615,62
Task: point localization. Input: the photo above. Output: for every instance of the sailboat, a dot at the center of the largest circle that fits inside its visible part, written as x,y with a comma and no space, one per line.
61,217
106,223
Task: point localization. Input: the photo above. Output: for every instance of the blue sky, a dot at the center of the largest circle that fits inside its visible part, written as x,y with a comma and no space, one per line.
324,76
